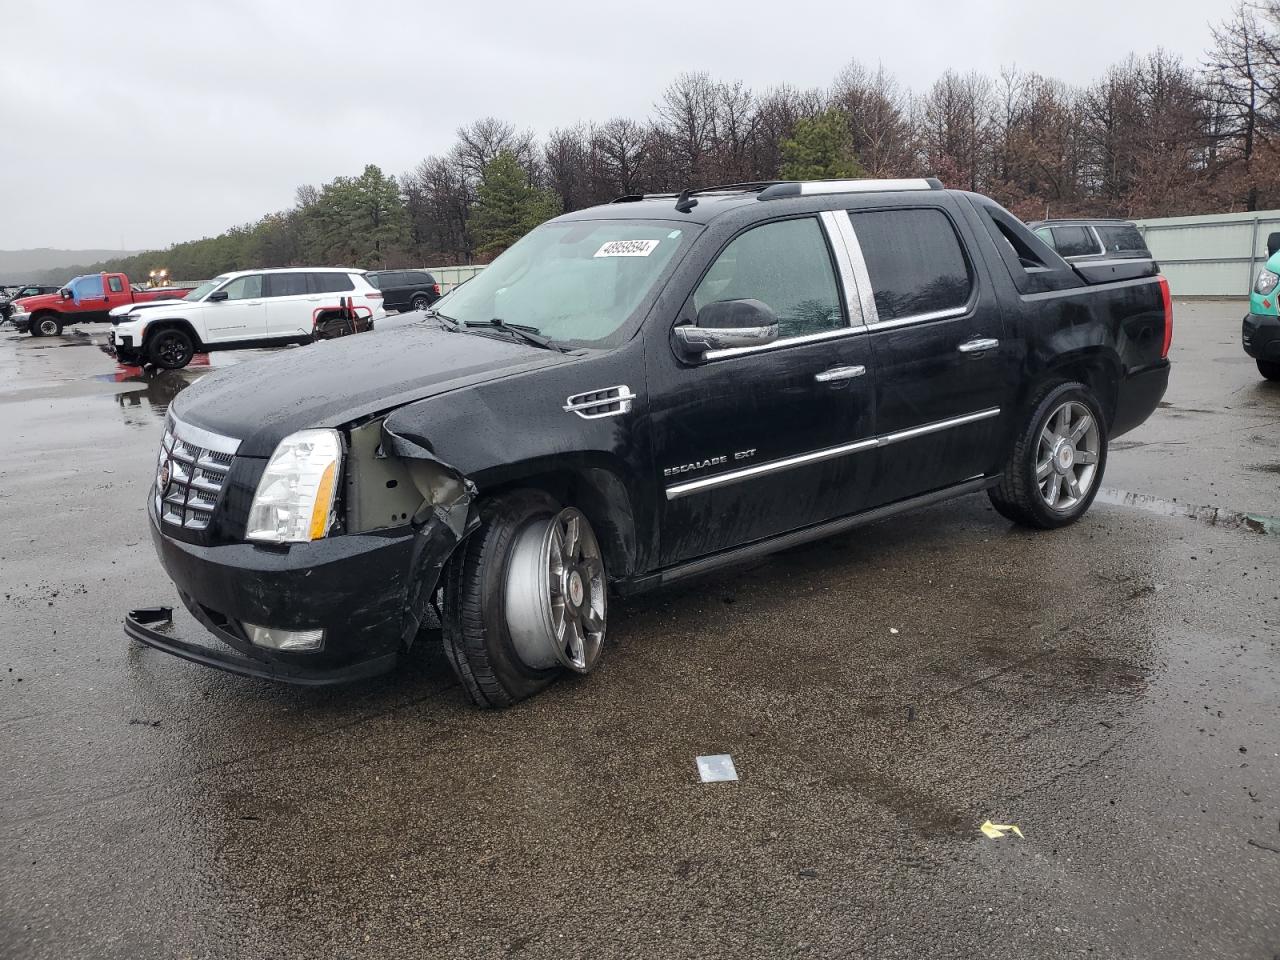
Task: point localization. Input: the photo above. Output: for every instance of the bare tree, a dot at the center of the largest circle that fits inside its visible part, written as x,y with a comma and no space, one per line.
877,112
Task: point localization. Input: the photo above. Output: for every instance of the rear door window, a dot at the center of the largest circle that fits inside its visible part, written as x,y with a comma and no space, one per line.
1074,241
915,261
1121,238
329,283
785,265
116,284
286,284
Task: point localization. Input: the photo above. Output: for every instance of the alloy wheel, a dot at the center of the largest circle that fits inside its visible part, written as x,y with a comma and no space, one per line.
1067,456
556,593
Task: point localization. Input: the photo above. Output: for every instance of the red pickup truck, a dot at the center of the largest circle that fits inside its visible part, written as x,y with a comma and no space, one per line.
86,299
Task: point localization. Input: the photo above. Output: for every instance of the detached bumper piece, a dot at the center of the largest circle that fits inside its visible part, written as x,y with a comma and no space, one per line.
141,625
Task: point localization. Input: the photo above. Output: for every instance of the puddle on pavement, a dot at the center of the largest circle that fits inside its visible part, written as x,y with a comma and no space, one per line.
1213,516
155,390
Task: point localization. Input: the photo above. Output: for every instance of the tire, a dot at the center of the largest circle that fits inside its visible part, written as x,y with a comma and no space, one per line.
1270,369
1028,495
46,325
420,302
486,633
170,349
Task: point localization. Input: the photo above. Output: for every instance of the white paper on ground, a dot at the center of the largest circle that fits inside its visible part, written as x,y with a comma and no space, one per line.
717,767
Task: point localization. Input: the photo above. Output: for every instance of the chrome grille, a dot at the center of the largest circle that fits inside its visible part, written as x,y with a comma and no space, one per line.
198,463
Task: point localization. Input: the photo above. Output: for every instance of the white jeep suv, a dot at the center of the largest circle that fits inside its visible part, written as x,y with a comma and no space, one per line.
248,308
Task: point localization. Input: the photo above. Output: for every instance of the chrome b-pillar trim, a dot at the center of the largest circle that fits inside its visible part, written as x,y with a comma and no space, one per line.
858,264
837,234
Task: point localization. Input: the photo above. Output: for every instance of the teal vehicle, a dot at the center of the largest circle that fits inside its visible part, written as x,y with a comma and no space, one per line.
1260,334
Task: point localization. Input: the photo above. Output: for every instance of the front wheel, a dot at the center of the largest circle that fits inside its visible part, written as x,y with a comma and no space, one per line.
46,325
525,598
1055,468
1269,369
171,349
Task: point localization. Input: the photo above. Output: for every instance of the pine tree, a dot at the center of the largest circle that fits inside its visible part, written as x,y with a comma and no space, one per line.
820,148
507,205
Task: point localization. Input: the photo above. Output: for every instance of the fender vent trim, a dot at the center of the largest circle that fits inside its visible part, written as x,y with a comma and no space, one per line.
595,404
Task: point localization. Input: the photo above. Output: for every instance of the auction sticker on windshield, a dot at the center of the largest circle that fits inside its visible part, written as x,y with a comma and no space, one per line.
628,248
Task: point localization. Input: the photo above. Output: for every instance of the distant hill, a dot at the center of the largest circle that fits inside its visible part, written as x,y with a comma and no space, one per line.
17,266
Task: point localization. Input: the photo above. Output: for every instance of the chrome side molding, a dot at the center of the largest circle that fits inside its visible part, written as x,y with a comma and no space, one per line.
676,491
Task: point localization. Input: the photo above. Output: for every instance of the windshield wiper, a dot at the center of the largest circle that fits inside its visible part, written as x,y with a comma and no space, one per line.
527,334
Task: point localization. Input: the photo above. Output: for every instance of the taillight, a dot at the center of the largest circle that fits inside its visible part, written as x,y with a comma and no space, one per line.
373,295
1167,302
435,288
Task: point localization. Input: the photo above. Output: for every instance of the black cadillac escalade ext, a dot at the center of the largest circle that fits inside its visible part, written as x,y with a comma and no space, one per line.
631,395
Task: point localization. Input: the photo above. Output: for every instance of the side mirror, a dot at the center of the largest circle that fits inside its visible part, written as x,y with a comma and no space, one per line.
218,296
1273,244
64,293
725,325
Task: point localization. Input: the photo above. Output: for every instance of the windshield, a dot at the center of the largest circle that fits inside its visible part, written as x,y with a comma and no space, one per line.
202,291
571,281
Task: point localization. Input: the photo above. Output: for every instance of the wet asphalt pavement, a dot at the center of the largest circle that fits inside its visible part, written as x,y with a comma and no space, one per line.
1112,689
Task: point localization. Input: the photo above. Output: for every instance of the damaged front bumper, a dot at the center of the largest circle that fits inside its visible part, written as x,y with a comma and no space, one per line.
368,592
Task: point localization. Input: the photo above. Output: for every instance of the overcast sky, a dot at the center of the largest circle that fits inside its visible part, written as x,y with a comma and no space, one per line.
141,124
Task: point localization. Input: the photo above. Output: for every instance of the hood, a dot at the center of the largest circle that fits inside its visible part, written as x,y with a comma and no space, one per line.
332,382
42,301
146,304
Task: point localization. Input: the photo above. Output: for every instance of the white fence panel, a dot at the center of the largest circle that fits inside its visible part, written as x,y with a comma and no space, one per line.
450,277
1218,255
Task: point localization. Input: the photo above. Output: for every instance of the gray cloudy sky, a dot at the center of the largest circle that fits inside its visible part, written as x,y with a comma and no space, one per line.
145,123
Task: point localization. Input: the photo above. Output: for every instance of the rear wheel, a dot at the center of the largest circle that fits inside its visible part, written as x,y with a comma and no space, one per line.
1269,369
1056,465
420,302
46,325
171,349
524,599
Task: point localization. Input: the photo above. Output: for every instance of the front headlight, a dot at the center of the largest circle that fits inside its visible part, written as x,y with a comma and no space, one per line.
1266,282
294,502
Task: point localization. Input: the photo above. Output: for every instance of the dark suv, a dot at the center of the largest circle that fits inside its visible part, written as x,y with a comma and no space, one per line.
15,293
632,395
405,289
1104,247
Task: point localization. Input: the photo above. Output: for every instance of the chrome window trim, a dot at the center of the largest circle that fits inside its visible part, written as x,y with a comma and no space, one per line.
676,491
1097,239
782,344
919,318
198,436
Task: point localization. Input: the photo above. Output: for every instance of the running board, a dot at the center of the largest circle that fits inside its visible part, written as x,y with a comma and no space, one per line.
784,541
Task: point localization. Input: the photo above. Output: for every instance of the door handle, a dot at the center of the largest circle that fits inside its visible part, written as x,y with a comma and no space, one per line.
981,345
839,373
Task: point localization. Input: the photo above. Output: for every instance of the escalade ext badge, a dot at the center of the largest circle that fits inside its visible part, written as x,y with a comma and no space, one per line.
465,490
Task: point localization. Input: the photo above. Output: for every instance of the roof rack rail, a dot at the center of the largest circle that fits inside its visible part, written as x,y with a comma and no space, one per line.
805,188
748,186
